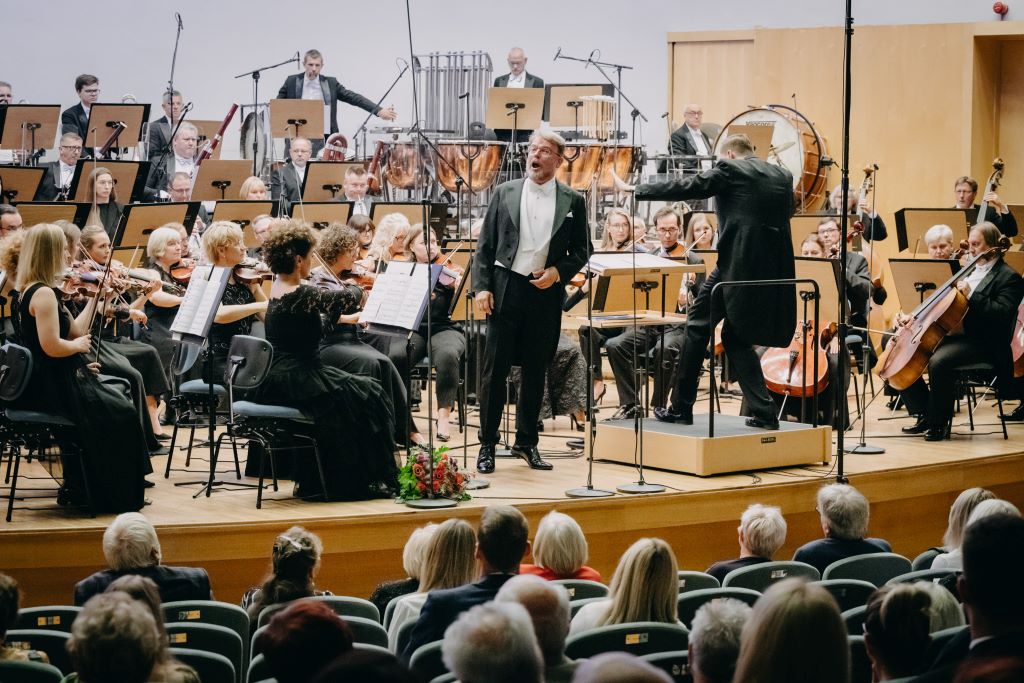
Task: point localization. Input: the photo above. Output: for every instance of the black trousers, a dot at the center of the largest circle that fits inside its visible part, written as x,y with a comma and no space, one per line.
661,364
523,333
742,358
935,399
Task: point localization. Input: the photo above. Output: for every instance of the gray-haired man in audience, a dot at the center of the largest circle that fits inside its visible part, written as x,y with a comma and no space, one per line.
548,606
844,519
715,640
762,531
493,643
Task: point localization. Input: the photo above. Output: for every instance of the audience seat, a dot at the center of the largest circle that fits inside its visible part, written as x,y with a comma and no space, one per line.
860,663
848,593
674,663
29,672
53,643
760,576
695,581
258,670
640,638
426,661
213,612
933,575
924,560
580,589
389,611
48,618
211,667
575,605
876,568
367,631
445,678
690,602
343,605
939,641
854,620
402,638
209,638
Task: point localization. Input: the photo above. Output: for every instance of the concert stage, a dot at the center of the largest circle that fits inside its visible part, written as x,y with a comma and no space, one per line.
910,487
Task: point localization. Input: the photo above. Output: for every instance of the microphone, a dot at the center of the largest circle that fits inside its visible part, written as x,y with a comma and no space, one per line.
296,58
665,115
178,17
464,95
557,54
513,106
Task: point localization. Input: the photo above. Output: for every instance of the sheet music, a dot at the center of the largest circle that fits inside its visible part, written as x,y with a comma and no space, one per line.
202,298
399,295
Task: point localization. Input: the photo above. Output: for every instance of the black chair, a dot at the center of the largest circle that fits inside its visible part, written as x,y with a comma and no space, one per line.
848,593
876,568
759,577
48,618
419,374
695,581
675,663
29,672
211,667
343,605
972,377
581,589
932,575
690,602
924,560
427,662
53,643
860,663
639,638
854,620
210,612
258,670
210,638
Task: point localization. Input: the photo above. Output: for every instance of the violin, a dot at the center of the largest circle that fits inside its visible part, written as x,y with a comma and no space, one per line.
359,276
784,368
251,272
181,272
451,273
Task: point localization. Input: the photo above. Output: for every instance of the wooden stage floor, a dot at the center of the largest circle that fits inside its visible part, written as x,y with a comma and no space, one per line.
910,486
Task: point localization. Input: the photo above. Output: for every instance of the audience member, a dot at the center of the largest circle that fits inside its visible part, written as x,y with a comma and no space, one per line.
449,562
295,560
795,634
10,599
715,640
560,550
145,592
548,606
645,587
130,546
993,597
1009,669
366,665
844,520
412,561
945,611
896,628
959,511
618,667
493,643
501,541
762,531
114,638
993,506
302,639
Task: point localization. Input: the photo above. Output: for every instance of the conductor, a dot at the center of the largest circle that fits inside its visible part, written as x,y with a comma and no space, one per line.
534,239
754,201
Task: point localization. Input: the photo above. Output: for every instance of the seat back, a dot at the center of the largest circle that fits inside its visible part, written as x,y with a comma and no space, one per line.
403,635
759,576
924,560
15,371
860,663
580,589
848,593
876,568
427,661
389,611
255,648
343,605
258,669
252,356
675,663
211,612
690,602
367,631
695,581
854,620
48,618
29,672
639,638
575,605
211,667
209,638
933,575
53,643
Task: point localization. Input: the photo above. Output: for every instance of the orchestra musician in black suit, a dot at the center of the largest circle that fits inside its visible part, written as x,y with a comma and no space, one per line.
76,119
998,213
527,247
860,209
286,182
160,129
517,77
181,158
58,175
690,140
754,202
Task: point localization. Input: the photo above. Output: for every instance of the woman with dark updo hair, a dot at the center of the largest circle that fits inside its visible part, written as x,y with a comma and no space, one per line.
295,560
353,418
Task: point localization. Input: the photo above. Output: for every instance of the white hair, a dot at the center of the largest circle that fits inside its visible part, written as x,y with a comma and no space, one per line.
715,638
186,127
992,506
550,136
613,667
130,542
560,544
548,606
937,232
845,511
493,643
944,612
763,529
415,549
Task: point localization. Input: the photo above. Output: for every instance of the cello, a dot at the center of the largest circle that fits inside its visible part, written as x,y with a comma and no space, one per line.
1017,343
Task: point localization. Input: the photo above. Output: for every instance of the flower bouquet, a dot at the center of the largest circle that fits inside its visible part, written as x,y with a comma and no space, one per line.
414,477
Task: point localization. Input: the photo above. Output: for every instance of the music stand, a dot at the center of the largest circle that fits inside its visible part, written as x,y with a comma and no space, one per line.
126,174
915,279
825,272
1018,214
557,111
34,213
760,137
139,220
322,214
807,224
21,181
104,117
324,179
911,224
207,131
26,127
242,213
1015,259
458,311
614,292
709,257
501,117
296,118
220,179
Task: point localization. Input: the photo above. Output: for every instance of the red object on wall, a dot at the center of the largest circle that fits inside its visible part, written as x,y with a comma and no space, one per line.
1001,8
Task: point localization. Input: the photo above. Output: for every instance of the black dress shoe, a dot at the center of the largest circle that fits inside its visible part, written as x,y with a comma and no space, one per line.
936,434
147,484
685,416
485,459
163,437
160,450
1017,415
919,427
532,457
762,423
630,411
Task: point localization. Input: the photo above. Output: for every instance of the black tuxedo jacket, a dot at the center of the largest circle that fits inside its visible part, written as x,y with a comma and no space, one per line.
958,653
992,314
175,583
499,241
333,91
1006,223
160,171
754,200
48,189
682,144
286,185
531,81
443,607
159,136
75,120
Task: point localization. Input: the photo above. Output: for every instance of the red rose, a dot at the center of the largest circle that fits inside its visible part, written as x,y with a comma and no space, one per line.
437,486
421,487
418,471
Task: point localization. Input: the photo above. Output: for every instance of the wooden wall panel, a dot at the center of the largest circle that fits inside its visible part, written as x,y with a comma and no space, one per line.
715,73
1011,130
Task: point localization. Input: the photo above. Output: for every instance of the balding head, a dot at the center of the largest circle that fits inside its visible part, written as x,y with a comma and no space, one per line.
548,605
613,667
516,61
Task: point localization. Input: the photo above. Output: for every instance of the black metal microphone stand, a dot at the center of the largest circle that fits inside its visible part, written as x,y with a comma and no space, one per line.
362,127
255,74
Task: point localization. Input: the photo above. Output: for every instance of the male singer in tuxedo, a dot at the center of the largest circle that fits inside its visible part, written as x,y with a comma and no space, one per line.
312,85
517,77
59,173
160,130
534,239
76,119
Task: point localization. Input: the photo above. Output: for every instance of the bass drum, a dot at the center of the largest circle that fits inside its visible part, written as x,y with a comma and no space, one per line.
795,146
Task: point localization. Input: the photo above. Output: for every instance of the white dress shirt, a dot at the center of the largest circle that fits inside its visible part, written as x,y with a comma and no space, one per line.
311,90
977,275
700,146
183,165
536,215
66,173
300,173
517,81
358,206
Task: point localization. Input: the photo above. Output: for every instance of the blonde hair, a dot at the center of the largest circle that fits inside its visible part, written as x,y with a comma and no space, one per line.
607,243
415,230
89,235
249,185
220,234
645,586
10,252
158,239
959,512
560,545
794,634
416,548
450,557
387,228
43,256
